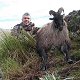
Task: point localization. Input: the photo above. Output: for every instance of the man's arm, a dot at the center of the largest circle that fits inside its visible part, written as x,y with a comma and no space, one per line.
15,31
35,29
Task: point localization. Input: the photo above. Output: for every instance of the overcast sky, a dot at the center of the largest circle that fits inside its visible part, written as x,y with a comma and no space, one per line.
11,11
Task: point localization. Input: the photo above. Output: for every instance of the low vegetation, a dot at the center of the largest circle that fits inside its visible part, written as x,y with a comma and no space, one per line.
19,61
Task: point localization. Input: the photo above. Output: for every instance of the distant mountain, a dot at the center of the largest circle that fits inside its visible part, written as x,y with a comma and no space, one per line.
5,30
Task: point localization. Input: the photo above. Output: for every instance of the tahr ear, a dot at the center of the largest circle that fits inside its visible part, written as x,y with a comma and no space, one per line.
51,12
51,18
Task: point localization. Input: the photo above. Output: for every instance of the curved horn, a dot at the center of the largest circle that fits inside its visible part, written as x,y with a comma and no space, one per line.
60,10
51,12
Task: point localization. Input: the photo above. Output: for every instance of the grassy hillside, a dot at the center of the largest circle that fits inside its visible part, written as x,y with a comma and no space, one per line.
19,61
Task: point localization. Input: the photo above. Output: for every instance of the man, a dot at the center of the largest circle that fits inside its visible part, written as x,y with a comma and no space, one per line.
25,25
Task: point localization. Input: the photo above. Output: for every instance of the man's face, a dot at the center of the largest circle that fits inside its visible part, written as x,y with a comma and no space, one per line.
26,20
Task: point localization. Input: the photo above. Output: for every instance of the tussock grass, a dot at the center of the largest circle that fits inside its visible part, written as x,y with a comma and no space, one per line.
9,66
16,48
14,52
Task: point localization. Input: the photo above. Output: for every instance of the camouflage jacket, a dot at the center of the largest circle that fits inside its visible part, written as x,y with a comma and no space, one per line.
19,28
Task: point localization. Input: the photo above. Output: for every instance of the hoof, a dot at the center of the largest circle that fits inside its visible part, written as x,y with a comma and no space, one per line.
70,61
43,68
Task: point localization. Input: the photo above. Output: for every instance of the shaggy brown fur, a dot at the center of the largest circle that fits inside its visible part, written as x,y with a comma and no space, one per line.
54,34
49,35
